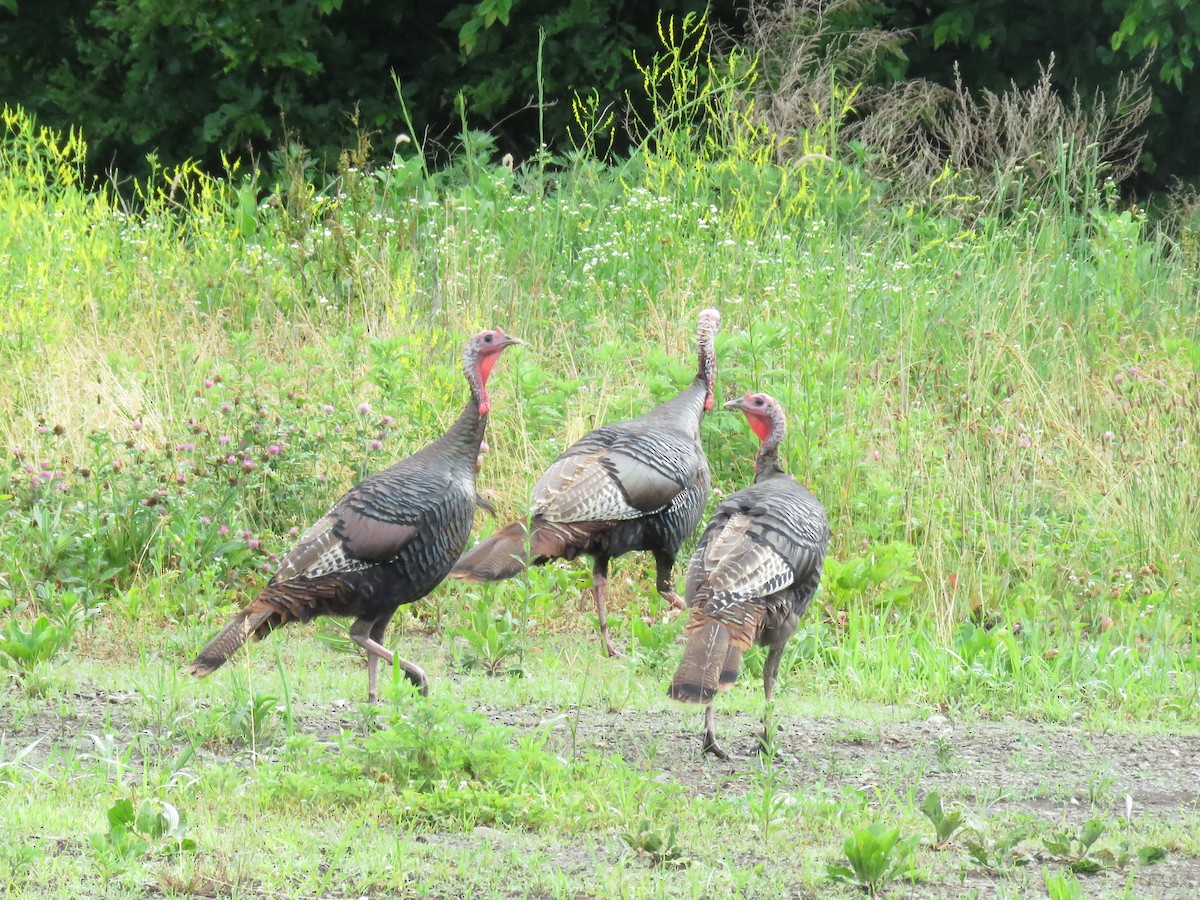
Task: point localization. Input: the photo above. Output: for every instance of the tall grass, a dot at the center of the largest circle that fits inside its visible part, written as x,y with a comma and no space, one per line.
1000,414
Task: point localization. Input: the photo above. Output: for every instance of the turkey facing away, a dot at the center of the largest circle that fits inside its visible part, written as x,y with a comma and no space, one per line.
753,574
388,541
636,485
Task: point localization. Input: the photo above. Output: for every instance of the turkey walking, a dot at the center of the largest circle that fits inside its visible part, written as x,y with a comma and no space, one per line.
635,485
753,574
388,541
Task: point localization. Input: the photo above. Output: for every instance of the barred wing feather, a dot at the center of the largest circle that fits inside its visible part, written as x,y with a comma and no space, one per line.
739,566
611,484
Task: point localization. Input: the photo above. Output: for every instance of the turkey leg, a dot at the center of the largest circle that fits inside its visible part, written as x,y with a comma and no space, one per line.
665,564
770,671
376,651
599,580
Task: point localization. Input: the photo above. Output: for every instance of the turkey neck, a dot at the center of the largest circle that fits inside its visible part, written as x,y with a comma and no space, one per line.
766,465
463,439
687,407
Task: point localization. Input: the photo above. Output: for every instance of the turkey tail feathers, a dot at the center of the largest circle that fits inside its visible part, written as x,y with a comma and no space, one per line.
501,556
217,651
710,664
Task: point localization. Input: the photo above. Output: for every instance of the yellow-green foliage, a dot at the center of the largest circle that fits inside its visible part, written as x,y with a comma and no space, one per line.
705,136
54,236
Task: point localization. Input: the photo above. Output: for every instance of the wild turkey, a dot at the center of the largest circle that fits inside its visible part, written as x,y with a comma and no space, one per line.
753,574
388,541
635,485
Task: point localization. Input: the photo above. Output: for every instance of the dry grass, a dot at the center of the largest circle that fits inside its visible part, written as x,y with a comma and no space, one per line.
1033,144
928,141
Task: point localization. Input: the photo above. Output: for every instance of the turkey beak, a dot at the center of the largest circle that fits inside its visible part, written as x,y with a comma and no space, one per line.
742,403
508,340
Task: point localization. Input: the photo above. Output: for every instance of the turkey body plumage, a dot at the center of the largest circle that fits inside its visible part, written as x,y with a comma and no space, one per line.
635,485
641,484
389,540
755,571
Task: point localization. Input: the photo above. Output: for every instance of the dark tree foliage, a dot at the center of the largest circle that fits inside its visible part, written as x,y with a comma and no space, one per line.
205,79
208,78
999,42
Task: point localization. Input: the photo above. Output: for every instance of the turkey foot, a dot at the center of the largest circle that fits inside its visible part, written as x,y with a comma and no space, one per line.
711,746
664,562
675,600
710,738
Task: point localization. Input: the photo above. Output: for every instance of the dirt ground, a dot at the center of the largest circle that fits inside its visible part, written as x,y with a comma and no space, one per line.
1060,775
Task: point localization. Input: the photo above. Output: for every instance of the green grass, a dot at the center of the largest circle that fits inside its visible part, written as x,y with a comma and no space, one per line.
566,789
999,414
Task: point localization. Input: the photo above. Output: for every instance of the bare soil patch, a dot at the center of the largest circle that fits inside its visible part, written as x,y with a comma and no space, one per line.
1060,775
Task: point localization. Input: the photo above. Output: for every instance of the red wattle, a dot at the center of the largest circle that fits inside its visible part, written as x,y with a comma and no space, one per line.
487,362
760,425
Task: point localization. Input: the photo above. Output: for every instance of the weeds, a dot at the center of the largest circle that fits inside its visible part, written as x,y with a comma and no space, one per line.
247,717
655,641
10,763
996,849
768,804
131,834
24,650
658,846
425,743
877,856
488,640
946,823
1063,887
1082,852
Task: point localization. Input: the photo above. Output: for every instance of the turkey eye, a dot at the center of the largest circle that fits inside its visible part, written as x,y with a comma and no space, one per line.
487,339
758,401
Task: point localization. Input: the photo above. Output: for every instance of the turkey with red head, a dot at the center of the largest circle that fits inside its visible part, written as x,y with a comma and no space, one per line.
635,485
388,541
753,574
